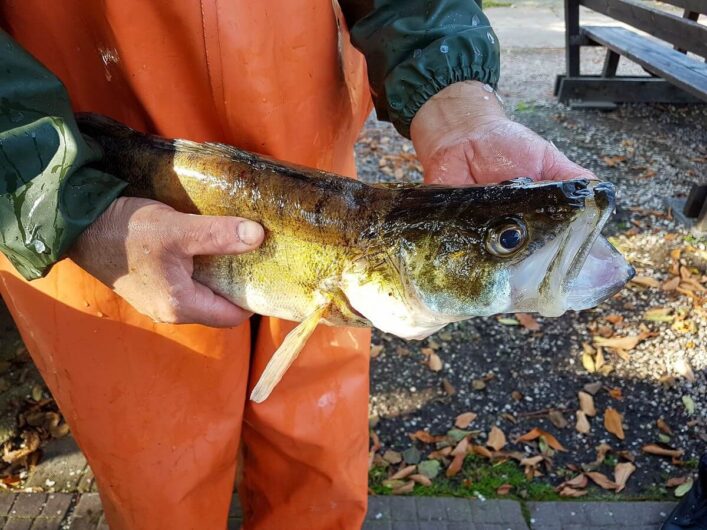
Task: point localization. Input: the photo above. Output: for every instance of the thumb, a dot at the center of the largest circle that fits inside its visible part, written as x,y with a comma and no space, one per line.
556,166
206,235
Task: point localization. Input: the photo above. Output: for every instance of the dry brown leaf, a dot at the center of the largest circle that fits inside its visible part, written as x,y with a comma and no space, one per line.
532,460
592,388
671,284
434,362
404,472
586,403
622,472
557,419
462,447
496,440
375,441
31,444
570,492
612,423
602,449
441,453
517,395
615,393
537,433
376,350
455,466
645,281
614,318
622,343
425,437
654,449
601,480
612,161
504,489
463,420
392,457
588,362
421,479
674,482
481,451
527,321
582,424
448,387
406,488
664,427
599,361
578,482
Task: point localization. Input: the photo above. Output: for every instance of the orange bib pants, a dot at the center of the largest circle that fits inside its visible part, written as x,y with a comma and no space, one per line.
160,410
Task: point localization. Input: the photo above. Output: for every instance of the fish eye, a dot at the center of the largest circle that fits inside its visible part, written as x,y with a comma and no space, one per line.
506,237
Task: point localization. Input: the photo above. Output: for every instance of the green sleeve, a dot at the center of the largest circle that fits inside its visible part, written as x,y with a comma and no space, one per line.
415,48
48,195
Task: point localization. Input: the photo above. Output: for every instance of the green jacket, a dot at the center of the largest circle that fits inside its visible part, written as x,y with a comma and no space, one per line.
49,195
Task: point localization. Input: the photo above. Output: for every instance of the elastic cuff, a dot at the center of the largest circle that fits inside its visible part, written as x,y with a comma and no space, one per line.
469,55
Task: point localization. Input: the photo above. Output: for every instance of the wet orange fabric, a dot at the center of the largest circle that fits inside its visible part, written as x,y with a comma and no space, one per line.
159,410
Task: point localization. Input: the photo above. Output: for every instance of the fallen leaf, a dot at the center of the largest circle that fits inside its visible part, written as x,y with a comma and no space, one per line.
537,433
528,322
441,453
504,489
623,343
582,424
557,419
578,482
645,281
429,468
663,426
593,388
683,368
612,423
532,460
456,435
508,321
434,362
421,479
622,472
671,284
614,318
481,451
376,350
478,384
412,455
455,466
653,449
659,314
517,395
404,472
676,481
496,439
425,437
689,405
448,387
462,447
571,492
463,420
586,403
392,457
588,363
615,393
601,480
602,449
682,489
599,360
406,488
611,161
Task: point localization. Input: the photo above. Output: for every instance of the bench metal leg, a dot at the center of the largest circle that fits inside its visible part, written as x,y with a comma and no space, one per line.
611,63
572,37
603,92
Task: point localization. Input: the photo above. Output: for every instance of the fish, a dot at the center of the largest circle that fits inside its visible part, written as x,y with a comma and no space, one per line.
407,259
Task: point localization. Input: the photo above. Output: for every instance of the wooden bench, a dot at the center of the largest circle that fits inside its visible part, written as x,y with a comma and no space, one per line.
674,76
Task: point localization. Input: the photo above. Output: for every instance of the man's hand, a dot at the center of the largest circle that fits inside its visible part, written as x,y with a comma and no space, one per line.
462,136
144,250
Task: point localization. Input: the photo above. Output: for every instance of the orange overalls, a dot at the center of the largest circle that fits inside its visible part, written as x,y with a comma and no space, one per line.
159,410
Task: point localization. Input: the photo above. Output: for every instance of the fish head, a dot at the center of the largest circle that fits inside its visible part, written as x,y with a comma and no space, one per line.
522,246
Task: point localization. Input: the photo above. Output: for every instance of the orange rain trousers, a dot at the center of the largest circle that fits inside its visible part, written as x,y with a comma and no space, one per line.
160,410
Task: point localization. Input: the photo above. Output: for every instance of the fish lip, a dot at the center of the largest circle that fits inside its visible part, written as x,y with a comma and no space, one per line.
558,279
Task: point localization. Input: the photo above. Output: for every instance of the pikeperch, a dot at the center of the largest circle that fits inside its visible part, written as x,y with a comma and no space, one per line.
407,259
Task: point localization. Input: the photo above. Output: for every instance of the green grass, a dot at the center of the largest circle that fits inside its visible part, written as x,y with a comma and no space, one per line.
496,3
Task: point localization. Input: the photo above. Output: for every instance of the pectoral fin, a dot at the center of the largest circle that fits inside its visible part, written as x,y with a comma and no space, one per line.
285,355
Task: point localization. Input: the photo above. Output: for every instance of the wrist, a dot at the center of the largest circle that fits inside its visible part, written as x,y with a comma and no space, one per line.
453,113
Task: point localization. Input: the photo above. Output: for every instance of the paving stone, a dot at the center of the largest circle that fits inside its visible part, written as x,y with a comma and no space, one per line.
14,523
430,509
88,512
57,505
6,501
28,505
402,508
46,523
502,512
377,525
601,515
378,509
456,509
63,465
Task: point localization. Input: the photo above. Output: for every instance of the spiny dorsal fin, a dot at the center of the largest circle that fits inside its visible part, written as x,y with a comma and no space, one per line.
286,355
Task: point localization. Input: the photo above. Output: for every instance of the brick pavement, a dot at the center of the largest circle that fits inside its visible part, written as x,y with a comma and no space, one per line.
71,511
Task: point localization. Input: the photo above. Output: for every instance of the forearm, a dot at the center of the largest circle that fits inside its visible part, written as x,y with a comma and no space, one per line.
48,194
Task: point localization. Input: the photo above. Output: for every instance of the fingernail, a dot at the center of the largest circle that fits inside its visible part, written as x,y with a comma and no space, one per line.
250,232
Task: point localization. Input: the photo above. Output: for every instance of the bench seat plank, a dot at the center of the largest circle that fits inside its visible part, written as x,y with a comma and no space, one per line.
681,70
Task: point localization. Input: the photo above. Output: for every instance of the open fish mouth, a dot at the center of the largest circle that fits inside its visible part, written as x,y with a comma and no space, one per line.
582,268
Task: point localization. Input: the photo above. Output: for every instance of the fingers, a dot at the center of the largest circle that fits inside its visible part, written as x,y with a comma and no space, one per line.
556,166
204,235
197,304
